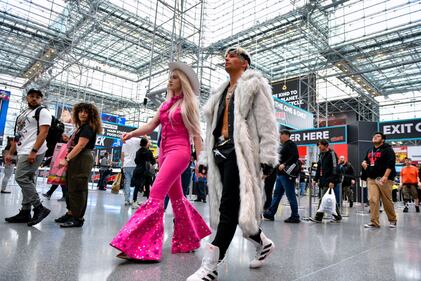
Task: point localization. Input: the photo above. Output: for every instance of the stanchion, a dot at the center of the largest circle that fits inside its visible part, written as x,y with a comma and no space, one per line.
341,205
360,212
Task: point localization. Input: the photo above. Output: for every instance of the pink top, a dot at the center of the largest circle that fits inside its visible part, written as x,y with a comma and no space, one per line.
174,132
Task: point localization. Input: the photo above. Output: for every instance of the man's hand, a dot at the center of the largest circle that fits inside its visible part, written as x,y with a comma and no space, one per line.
281,167
31,157
8,158
364,165
352,182
383,180
331,185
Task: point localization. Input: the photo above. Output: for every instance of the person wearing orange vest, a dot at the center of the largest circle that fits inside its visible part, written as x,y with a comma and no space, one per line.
409,181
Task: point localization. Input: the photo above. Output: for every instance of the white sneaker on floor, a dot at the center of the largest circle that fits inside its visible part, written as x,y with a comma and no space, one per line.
371,225
263,250
392,225
126,203
136,205
208,271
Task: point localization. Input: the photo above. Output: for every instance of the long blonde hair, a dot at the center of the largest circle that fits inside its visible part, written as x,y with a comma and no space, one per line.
189,105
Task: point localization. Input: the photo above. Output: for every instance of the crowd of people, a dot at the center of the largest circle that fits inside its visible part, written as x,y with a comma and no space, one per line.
241,160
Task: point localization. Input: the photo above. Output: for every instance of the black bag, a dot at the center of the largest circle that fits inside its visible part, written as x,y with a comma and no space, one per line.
54,133
293,170
223,150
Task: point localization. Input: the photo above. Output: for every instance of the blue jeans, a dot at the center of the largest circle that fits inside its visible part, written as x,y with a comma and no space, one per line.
283,185
302,188
128,174
336,190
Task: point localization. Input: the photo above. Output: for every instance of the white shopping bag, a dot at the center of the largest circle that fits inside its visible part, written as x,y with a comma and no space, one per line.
328,204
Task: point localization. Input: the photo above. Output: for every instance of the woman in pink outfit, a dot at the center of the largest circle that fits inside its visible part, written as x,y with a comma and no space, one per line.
142,237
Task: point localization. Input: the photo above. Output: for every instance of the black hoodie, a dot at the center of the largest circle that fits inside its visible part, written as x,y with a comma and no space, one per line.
327,168
378,160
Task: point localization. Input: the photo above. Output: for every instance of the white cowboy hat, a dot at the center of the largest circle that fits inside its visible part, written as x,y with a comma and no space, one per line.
191,75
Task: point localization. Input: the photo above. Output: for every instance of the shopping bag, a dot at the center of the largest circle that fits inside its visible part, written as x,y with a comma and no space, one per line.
57,174
328,204
116,184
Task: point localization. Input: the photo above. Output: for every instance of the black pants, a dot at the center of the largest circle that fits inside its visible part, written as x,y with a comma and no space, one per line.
269,185
230,204
54,187
143,182
102,183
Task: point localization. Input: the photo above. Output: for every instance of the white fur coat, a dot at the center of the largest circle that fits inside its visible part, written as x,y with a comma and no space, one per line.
256,141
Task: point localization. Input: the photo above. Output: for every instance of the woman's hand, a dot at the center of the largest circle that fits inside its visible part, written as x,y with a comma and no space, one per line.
63,163
126,136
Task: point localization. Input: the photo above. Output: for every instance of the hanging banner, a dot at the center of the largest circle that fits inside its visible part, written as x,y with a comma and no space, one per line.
113,119
292,116
334,135
4,106
293,90
115,131
402,129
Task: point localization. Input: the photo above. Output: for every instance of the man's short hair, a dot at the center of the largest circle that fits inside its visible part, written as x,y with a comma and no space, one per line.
323,142
286,132
34,91
240,52
381,134
143,142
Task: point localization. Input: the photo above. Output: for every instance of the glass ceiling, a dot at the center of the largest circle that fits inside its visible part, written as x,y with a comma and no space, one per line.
118,50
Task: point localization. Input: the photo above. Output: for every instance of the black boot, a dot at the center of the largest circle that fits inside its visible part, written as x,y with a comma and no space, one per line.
73,222
40,212
65,218
23,216
351,204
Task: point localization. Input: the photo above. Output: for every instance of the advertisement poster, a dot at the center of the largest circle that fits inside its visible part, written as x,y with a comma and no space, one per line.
401,153
4,106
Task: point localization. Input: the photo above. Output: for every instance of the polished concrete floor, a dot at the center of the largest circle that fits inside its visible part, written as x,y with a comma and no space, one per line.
304,251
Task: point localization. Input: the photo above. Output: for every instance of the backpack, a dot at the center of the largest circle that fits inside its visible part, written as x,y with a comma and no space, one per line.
54,133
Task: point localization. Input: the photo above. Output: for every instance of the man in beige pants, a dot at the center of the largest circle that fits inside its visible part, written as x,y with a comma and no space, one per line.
379,166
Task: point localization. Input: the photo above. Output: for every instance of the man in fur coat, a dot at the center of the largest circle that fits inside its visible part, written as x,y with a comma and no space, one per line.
242,147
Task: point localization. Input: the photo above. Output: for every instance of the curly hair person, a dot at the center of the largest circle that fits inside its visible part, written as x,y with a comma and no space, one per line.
94,120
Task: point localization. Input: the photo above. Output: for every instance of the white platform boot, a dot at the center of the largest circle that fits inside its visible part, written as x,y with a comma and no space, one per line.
263,250
208,270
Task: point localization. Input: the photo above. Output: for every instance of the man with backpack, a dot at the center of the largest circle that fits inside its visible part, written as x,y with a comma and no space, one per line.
327,175
30,144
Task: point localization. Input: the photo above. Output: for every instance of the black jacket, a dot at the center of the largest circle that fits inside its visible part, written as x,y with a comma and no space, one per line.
327,168
288,154
378,160
347,174
142,155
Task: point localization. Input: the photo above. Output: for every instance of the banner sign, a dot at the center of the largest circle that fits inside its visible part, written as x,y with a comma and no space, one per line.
4,106
113,119
401,129
334,135
292,116
115,131
292,90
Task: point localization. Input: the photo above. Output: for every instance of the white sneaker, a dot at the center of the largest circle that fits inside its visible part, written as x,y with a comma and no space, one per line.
136,205
371,225
208,271
126,203
392,225
263,250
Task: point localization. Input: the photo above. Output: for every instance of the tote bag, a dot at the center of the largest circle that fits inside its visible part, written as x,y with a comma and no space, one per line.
57,174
